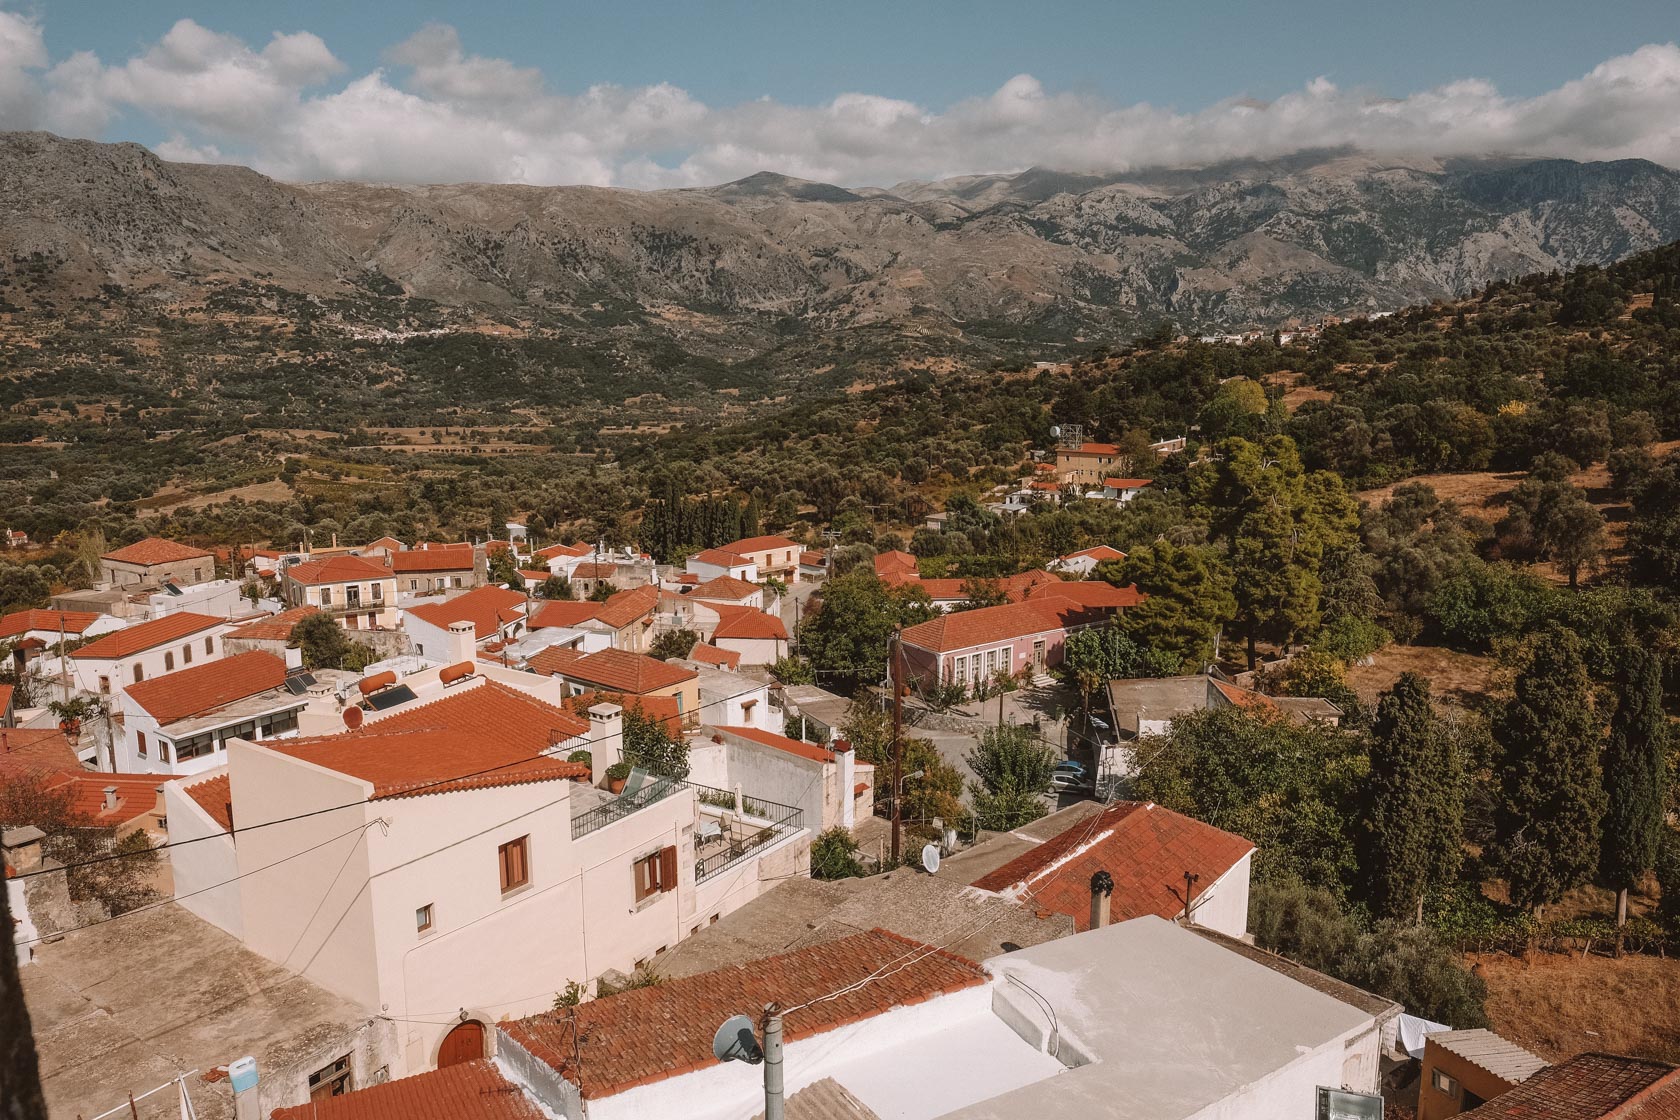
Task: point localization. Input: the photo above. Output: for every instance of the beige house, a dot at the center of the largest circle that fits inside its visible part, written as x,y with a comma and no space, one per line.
436,568
360,593
154,561
775,557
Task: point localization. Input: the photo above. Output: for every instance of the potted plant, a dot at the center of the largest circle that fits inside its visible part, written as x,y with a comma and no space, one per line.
617,774
72,712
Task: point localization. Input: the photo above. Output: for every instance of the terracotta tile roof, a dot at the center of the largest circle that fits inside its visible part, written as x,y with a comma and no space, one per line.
725,589
1591,1087
759,544
432,560
1099,553
554,550
390,543
662,709
782,743
154,550
965,629
1045,485
651,1034
1092,593
553,660
487,608
719,558
337,569
1147,849
204,688
133,639
1127,483
1098,449
470,730
474,1090
895,561
745,623
35,750
215,797
137,794
6,691
72,622
712,655
564,612
1242,697
813,559
624,607
595,569
619,670
275,628
497,545
535,577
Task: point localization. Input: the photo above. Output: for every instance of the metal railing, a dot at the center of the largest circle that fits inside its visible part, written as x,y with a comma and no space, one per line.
756,822
656,789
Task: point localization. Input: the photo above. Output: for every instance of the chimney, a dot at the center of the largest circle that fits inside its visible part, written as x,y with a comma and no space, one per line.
110,798
1102,885
845,763
463,643
22,847
606,739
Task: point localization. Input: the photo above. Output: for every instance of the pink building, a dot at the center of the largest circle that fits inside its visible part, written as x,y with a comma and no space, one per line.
968,646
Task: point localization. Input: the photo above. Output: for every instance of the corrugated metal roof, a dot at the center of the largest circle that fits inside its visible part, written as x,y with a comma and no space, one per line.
825,1100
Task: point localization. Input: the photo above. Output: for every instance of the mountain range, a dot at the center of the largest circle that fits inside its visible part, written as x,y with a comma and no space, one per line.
1048,254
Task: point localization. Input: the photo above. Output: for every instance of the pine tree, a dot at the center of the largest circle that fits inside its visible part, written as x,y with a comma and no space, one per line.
1413,809
1635,777
1551,796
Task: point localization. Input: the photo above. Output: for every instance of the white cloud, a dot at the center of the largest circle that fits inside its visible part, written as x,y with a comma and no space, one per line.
440,114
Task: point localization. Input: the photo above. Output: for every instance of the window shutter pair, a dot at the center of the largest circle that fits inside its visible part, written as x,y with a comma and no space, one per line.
668,869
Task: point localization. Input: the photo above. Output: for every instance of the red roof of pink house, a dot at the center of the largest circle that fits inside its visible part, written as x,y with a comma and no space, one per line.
443,558
474,1090
155,550
134,639
474,737
1092,593
487,608
712,655
647,1035
337,569
747,624
71,622
782,743
966,629
1147,850
204,688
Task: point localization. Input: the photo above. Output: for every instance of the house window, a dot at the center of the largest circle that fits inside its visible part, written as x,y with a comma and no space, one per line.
423,918
198,575
186,654
1445,1084
333,1081
414,585
104,686
326,596
656,873
515,863
195,747
457,581
140,742
139,673
991,662
378,592
210,645
962,670
168,661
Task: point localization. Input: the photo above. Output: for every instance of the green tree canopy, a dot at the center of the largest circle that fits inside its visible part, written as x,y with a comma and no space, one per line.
1012,771
1635,778
1190,599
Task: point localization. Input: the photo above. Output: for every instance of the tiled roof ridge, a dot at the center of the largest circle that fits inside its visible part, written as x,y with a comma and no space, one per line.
935,950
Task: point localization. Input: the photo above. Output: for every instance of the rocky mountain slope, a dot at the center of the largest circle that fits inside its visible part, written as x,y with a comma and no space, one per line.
1046,254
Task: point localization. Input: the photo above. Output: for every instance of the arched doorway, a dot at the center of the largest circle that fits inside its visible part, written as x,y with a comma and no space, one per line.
463,1044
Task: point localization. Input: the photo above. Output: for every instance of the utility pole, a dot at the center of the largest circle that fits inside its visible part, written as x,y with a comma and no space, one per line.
773,1061
897,677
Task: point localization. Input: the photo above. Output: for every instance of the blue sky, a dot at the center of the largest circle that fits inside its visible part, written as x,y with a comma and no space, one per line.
918,89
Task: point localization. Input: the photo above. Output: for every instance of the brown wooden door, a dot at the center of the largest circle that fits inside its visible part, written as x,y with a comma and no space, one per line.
463,1044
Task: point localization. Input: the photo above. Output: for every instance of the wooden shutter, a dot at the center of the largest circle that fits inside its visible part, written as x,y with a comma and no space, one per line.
668,869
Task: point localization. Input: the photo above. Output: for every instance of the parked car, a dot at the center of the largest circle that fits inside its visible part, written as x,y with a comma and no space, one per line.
1069,775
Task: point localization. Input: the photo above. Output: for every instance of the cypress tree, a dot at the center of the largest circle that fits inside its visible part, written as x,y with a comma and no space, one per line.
1551,796
1635,774
1412,818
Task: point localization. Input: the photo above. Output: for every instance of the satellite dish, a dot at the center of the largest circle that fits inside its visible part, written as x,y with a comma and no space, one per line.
735,1042
930,858
1056,430
352,717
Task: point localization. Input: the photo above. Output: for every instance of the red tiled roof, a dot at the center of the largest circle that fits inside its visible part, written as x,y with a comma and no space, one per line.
619,670
1097,449
133,639
275,628
1044,485
554,550
487,608
964,629
432,560
782,743
1242,697
726,589
895,561
474,1090
553,660
813,559
564,612
215,797
538,577
154,550
204,688
650,1034
389,543
497,545
1147,849
35,750
6,696
472,738
624,607
759,544
1591,1087
719,558
337,569
1098,553
712,655
661,709
1091,593
1126,483
71,622
745,623
136,794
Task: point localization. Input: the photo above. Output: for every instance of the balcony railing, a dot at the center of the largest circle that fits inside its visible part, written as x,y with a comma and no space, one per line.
753,822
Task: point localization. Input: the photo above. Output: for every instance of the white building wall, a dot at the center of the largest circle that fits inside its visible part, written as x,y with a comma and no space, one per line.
754,651
1224,905
153,662
1293,1090
205,866
431,642
746,570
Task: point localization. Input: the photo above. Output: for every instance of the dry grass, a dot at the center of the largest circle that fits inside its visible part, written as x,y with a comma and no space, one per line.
1458,677
273,490
1559,1005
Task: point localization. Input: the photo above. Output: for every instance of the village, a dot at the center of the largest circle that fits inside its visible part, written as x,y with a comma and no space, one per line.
512,829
